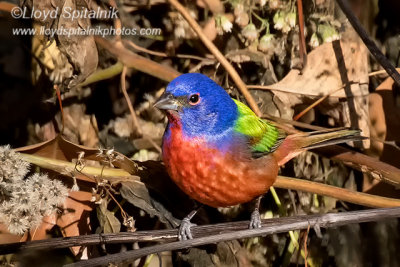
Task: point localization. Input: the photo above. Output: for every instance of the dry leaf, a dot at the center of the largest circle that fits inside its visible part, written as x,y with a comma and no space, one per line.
138,195
80,127
79,56
384,124
81,50
329,67
215,6
246,55
108,222
75,219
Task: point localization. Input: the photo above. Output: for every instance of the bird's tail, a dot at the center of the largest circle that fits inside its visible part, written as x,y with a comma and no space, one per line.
294,144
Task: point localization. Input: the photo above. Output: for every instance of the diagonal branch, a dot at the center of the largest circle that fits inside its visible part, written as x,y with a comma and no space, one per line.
326,220
378,55
218,55
271,226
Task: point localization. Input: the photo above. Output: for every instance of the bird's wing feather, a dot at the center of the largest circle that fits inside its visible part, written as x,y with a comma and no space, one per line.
263,136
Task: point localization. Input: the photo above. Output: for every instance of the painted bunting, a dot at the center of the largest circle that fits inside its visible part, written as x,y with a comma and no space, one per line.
219,152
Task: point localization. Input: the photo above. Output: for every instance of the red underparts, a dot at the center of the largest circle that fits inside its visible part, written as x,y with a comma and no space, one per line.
214,178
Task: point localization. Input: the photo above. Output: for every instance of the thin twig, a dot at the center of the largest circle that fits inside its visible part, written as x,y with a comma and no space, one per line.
268,87
317,102
302,42
162,54
378,55
270,226
132,60
379,72
153,143
355,197
218,55
283,122
123,213
61,107
135,122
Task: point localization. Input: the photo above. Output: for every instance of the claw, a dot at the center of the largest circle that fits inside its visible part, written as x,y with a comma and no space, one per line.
184,229
255,220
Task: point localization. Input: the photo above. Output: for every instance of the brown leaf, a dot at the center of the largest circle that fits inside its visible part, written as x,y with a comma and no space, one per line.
6,237
75,219
81,50
79,126
246,55
384,124
330,66
324,71
210,30
215,6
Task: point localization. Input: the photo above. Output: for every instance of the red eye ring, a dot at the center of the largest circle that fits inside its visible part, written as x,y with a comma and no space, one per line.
194,99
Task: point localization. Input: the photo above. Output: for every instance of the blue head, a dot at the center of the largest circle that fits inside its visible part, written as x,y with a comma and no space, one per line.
202,107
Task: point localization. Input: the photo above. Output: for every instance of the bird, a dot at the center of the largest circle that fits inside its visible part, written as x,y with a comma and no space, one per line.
219,152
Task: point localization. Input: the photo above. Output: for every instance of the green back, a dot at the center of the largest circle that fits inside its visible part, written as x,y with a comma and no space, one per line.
263,136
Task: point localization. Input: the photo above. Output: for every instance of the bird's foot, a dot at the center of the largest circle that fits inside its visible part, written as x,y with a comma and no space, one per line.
184,232
255,220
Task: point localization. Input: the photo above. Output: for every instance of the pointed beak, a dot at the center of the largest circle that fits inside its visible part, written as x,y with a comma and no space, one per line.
167,102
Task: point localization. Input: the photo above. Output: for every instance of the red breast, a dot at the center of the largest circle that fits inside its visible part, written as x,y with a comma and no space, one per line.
214,178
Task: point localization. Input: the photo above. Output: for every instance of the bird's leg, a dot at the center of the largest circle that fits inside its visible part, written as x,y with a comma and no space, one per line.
184,232
255,220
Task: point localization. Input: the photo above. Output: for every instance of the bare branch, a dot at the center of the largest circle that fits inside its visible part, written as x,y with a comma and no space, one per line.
270,226
218,55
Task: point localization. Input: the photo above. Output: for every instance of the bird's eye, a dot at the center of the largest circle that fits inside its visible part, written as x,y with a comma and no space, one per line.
194,99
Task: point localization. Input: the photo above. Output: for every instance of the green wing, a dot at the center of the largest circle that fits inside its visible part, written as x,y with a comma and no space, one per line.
263,136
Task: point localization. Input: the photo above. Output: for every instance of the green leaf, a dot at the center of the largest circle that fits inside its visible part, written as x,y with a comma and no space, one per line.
108,222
